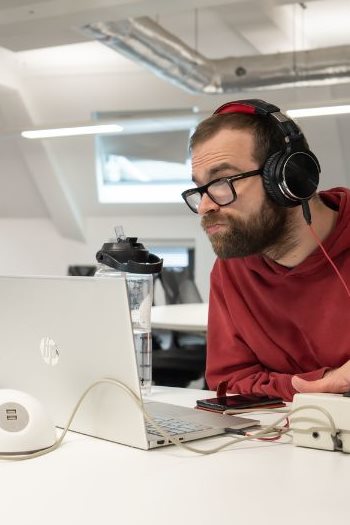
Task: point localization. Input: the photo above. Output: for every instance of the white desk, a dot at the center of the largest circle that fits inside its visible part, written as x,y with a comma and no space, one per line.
91,482
180,317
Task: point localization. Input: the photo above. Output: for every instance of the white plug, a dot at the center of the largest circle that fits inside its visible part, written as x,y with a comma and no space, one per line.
24,424
312,428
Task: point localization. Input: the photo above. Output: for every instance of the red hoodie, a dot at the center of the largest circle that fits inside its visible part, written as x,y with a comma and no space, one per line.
268,323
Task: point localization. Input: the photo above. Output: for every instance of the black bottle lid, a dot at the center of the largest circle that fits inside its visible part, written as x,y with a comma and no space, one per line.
128,255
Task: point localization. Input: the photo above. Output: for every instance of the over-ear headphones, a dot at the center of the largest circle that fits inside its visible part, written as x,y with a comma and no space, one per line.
290,176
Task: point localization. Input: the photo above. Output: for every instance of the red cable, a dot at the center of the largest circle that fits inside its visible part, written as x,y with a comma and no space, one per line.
275,438
319,242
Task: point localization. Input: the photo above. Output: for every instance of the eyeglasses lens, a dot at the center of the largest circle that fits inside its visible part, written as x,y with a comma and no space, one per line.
220,192
193,200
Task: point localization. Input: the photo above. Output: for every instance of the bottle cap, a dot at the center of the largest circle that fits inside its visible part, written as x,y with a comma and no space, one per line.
128,255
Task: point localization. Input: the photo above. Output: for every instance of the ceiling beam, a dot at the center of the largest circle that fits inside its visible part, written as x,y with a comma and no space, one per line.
38,24
61,19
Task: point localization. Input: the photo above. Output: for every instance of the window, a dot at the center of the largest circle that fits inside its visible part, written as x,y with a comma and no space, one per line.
148,162
175,256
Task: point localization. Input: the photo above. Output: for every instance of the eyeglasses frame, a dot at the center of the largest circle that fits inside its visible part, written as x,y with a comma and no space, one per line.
230,179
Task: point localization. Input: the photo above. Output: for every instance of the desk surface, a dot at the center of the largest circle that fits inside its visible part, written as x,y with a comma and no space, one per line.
182,317
89,481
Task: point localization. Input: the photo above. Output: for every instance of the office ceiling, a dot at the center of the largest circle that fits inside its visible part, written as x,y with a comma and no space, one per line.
203,46
214,28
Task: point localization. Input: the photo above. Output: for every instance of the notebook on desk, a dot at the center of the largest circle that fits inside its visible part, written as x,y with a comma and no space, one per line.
58,335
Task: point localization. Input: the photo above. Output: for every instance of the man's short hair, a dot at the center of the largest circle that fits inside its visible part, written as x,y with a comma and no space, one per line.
268,137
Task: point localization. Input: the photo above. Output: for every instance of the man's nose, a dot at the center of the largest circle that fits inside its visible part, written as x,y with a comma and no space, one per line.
207,205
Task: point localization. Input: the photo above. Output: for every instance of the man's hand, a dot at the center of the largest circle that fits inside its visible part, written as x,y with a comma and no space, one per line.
336,381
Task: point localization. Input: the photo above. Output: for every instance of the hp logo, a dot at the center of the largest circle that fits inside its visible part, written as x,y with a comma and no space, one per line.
49,351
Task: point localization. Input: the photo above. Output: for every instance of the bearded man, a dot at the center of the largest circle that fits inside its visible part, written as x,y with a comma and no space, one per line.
278,311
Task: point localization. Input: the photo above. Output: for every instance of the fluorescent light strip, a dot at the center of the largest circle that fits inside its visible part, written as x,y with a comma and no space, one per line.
318,112
116,128
69,132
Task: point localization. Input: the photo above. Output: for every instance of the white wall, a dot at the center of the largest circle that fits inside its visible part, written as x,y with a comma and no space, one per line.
33,246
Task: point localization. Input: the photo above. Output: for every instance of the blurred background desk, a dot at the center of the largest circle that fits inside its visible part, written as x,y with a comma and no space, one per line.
180,317
179,344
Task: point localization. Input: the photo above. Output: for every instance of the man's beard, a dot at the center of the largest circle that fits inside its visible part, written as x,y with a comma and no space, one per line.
268,232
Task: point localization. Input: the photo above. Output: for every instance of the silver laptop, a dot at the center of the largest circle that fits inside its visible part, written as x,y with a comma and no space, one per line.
58,335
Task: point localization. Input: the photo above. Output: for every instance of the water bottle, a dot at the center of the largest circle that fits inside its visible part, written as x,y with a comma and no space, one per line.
126,257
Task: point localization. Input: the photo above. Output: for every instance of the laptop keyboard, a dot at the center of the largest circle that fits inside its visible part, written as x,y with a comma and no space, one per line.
173,426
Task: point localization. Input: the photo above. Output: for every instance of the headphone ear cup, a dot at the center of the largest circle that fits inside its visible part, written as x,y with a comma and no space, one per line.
299,175
291,178
270,181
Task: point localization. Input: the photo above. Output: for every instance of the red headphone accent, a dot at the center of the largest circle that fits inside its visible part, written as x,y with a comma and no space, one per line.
235,107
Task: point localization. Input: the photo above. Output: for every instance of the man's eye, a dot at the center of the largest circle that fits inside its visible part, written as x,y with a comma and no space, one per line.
221,181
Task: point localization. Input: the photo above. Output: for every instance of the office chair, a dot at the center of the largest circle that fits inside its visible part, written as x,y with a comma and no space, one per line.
82,270
179,286
184,361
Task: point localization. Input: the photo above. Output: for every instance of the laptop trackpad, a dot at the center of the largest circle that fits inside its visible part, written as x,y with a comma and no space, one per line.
154,408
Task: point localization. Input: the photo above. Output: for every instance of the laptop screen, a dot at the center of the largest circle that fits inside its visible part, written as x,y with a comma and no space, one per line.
58,335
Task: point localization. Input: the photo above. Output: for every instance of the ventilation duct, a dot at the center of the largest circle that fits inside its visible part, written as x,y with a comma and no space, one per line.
146,42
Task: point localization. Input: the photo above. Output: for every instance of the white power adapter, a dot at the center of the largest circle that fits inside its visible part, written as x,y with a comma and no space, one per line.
312,427
24,424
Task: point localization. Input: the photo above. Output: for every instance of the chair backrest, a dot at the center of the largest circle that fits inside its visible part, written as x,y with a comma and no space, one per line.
84,270
179,287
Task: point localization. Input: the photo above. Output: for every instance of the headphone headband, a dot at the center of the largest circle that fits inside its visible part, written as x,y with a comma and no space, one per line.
291,132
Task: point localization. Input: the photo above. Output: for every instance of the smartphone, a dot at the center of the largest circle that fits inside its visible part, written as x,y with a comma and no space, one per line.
238,402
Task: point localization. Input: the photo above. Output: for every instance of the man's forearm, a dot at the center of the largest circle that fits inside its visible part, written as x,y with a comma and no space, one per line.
257,380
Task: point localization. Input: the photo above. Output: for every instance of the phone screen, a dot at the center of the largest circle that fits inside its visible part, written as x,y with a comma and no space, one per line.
237,401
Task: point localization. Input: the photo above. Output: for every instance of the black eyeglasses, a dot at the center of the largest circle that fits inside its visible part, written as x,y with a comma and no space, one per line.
221,191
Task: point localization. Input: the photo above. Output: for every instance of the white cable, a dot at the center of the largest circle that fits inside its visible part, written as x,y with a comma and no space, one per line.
115,382
264,432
